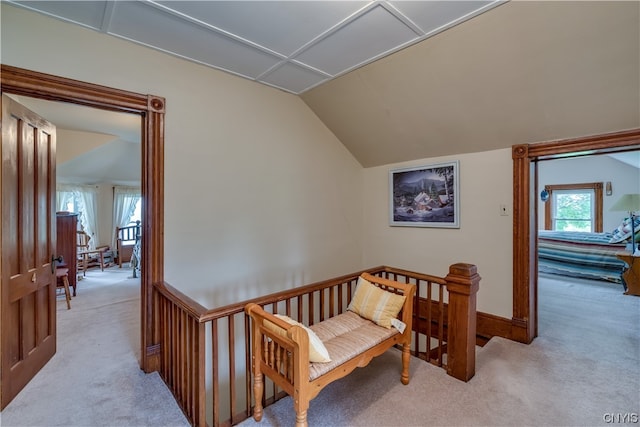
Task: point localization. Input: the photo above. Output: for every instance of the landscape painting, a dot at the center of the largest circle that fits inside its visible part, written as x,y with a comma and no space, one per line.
425,196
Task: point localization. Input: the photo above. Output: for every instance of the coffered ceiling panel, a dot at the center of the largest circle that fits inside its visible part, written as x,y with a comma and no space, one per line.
148,25
373,34
263,22
429,16
291,45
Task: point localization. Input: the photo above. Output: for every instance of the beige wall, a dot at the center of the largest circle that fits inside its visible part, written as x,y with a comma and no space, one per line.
259,195
484,238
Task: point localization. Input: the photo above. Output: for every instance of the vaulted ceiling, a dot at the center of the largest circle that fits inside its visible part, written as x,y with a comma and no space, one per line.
291,45
404,80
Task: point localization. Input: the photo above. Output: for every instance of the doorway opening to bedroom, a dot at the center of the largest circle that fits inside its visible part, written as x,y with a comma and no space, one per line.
580,275
98,182
526,160
148,111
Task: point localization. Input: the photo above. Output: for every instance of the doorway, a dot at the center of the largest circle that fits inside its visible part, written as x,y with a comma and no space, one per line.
151,110
525,214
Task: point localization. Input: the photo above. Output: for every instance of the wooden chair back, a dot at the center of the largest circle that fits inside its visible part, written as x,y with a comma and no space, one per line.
126,238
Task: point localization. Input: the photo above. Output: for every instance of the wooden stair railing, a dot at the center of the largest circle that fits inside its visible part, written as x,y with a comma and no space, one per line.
206,358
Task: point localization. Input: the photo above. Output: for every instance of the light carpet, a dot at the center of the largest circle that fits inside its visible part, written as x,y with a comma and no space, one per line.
583,367
94,379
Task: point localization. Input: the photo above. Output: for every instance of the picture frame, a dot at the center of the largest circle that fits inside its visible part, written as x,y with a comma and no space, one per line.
425,196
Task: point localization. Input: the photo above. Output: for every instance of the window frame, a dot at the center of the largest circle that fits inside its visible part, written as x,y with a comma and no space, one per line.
597,202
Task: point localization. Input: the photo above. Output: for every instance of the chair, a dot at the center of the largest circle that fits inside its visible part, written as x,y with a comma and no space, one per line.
83,251
62,281
86,255
126,239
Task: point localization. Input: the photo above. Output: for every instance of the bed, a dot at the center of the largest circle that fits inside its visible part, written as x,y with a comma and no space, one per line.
580,254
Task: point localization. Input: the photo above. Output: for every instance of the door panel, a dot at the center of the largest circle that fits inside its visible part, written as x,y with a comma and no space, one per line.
28,284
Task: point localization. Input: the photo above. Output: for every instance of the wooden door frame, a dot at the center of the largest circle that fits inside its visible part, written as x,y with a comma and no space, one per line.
525,219
151,109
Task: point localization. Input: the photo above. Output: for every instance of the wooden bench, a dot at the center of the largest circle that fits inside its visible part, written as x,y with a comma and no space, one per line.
280,350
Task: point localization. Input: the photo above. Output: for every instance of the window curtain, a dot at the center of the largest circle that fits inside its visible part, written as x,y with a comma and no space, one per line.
88,214
63,197
85,199
124,205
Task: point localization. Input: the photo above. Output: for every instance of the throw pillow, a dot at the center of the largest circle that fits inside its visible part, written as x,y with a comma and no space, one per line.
623,231
375,304
317,351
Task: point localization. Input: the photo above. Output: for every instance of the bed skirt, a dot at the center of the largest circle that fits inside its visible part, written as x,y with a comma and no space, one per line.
580,254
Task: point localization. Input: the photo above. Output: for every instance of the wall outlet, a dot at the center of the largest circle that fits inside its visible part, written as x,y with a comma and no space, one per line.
504,210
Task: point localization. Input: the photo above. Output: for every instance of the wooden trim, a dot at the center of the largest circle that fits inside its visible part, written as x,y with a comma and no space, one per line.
609,142
151,110
462,284
525,264
489,326
597,190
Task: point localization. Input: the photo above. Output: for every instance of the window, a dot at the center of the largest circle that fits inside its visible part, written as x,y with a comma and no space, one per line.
127,207
137,213
83,200
574,207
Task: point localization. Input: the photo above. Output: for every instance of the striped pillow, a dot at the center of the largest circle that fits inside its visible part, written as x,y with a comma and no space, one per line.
317,351
375,304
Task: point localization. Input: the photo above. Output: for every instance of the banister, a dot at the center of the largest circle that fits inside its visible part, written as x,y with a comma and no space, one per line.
462,285
185,357
185,303
275,297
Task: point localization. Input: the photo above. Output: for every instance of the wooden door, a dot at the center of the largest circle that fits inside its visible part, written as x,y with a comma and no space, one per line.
28,282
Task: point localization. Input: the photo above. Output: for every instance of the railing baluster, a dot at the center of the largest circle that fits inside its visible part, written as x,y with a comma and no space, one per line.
182,321
247,351
232,365
429,324
440,325
332,295
416,319
215,373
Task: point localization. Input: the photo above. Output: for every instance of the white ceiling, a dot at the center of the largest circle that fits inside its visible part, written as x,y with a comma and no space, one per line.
123,126
118,161
290,45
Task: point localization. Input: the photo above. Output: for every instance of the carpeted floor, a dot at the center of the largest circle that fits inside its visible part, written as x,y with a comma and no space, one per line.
94,378
582,370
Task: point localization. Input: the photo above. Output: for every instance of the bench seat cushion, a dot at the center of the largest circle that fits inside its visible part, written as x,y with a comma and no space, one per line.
346,336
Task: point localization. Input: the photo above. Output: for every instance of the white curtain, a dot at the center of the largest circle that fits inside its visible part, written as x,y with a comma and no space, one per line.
88,216
85,199
63,197
124,205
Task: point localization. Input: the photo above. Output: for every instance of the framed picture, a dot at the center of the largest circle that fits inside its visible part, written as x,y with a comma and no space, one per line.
425,196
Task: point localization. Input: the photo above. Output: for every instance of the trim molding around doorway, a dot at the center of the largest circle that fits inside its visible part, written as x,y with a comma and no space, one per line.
151,110
525,226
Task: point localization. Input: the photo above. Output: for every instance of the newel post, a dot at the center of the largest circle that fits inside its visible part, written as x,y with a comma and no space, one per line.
462,285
